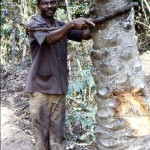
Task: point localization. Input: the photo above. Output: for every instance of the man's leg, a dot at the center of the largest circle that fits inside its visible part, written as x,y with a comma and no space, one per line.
57,123
40,113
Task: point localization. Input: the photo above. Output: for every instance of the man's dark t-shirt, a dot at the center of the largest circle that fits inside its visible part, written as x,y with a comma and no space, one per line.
48,72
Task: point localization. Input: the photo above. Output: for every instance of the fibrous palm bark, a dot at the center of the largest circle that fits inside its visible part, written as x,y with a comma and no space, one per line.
123,116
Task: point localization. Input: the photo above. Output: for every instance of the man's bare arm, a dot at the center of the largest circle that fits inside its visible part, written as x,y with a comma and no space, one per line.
80,24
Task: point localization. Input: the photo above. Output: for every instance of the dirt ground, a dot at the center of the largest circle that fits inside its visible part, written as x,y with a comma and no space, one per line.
13,137
16,131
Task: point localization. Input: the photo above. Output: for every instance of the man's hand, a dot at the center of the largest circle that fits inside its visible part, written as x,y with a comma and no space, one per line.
81,23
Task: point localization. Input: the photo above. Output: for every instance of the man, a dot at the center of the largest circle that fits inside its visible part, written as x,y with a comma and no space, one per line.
48,77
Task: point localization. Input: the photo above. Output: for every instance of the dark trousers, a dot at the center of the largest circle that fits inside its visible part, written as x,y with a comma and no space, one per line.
48,118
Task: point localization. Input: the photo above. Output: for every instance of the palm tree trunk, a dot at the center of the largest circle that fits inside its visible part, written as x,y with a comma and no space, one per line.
123,116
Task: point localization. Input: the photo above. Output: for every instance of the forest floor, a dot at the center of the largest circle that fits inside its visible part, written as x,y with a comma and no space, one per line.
16,131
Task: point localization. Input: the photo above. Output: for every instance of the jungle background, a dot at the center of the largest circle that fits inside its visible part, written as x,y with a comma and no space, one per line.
15,63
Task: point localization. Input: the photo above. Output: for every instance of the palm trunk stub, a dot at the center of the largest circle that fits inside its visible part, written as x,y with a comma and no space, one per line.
123,117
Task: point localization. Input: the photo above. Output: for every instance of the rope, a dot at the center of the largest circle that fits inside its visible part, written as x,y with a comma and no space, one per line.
95,20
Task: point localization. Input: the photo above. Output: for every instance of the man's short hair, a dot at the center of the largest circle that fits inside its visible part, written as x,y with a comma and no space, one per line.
38,1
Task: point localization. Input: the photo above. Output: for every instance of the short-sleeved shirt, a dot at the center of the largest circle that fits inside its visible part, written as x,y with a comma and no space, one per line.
48,72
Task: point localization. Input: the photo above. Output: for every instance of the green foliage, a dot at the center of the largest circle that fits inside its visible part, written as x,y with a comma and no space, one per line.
80,119
79,9
81,122
78,86
61,14
13,35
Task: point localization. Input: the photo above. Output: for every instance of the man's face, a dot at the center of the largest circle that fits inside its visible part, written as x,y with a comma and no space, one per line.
47,7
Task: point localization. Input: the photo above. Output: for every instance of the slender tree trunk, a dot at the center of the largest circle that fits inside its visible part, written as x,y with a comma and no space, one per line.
67,9
13,44
123,116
